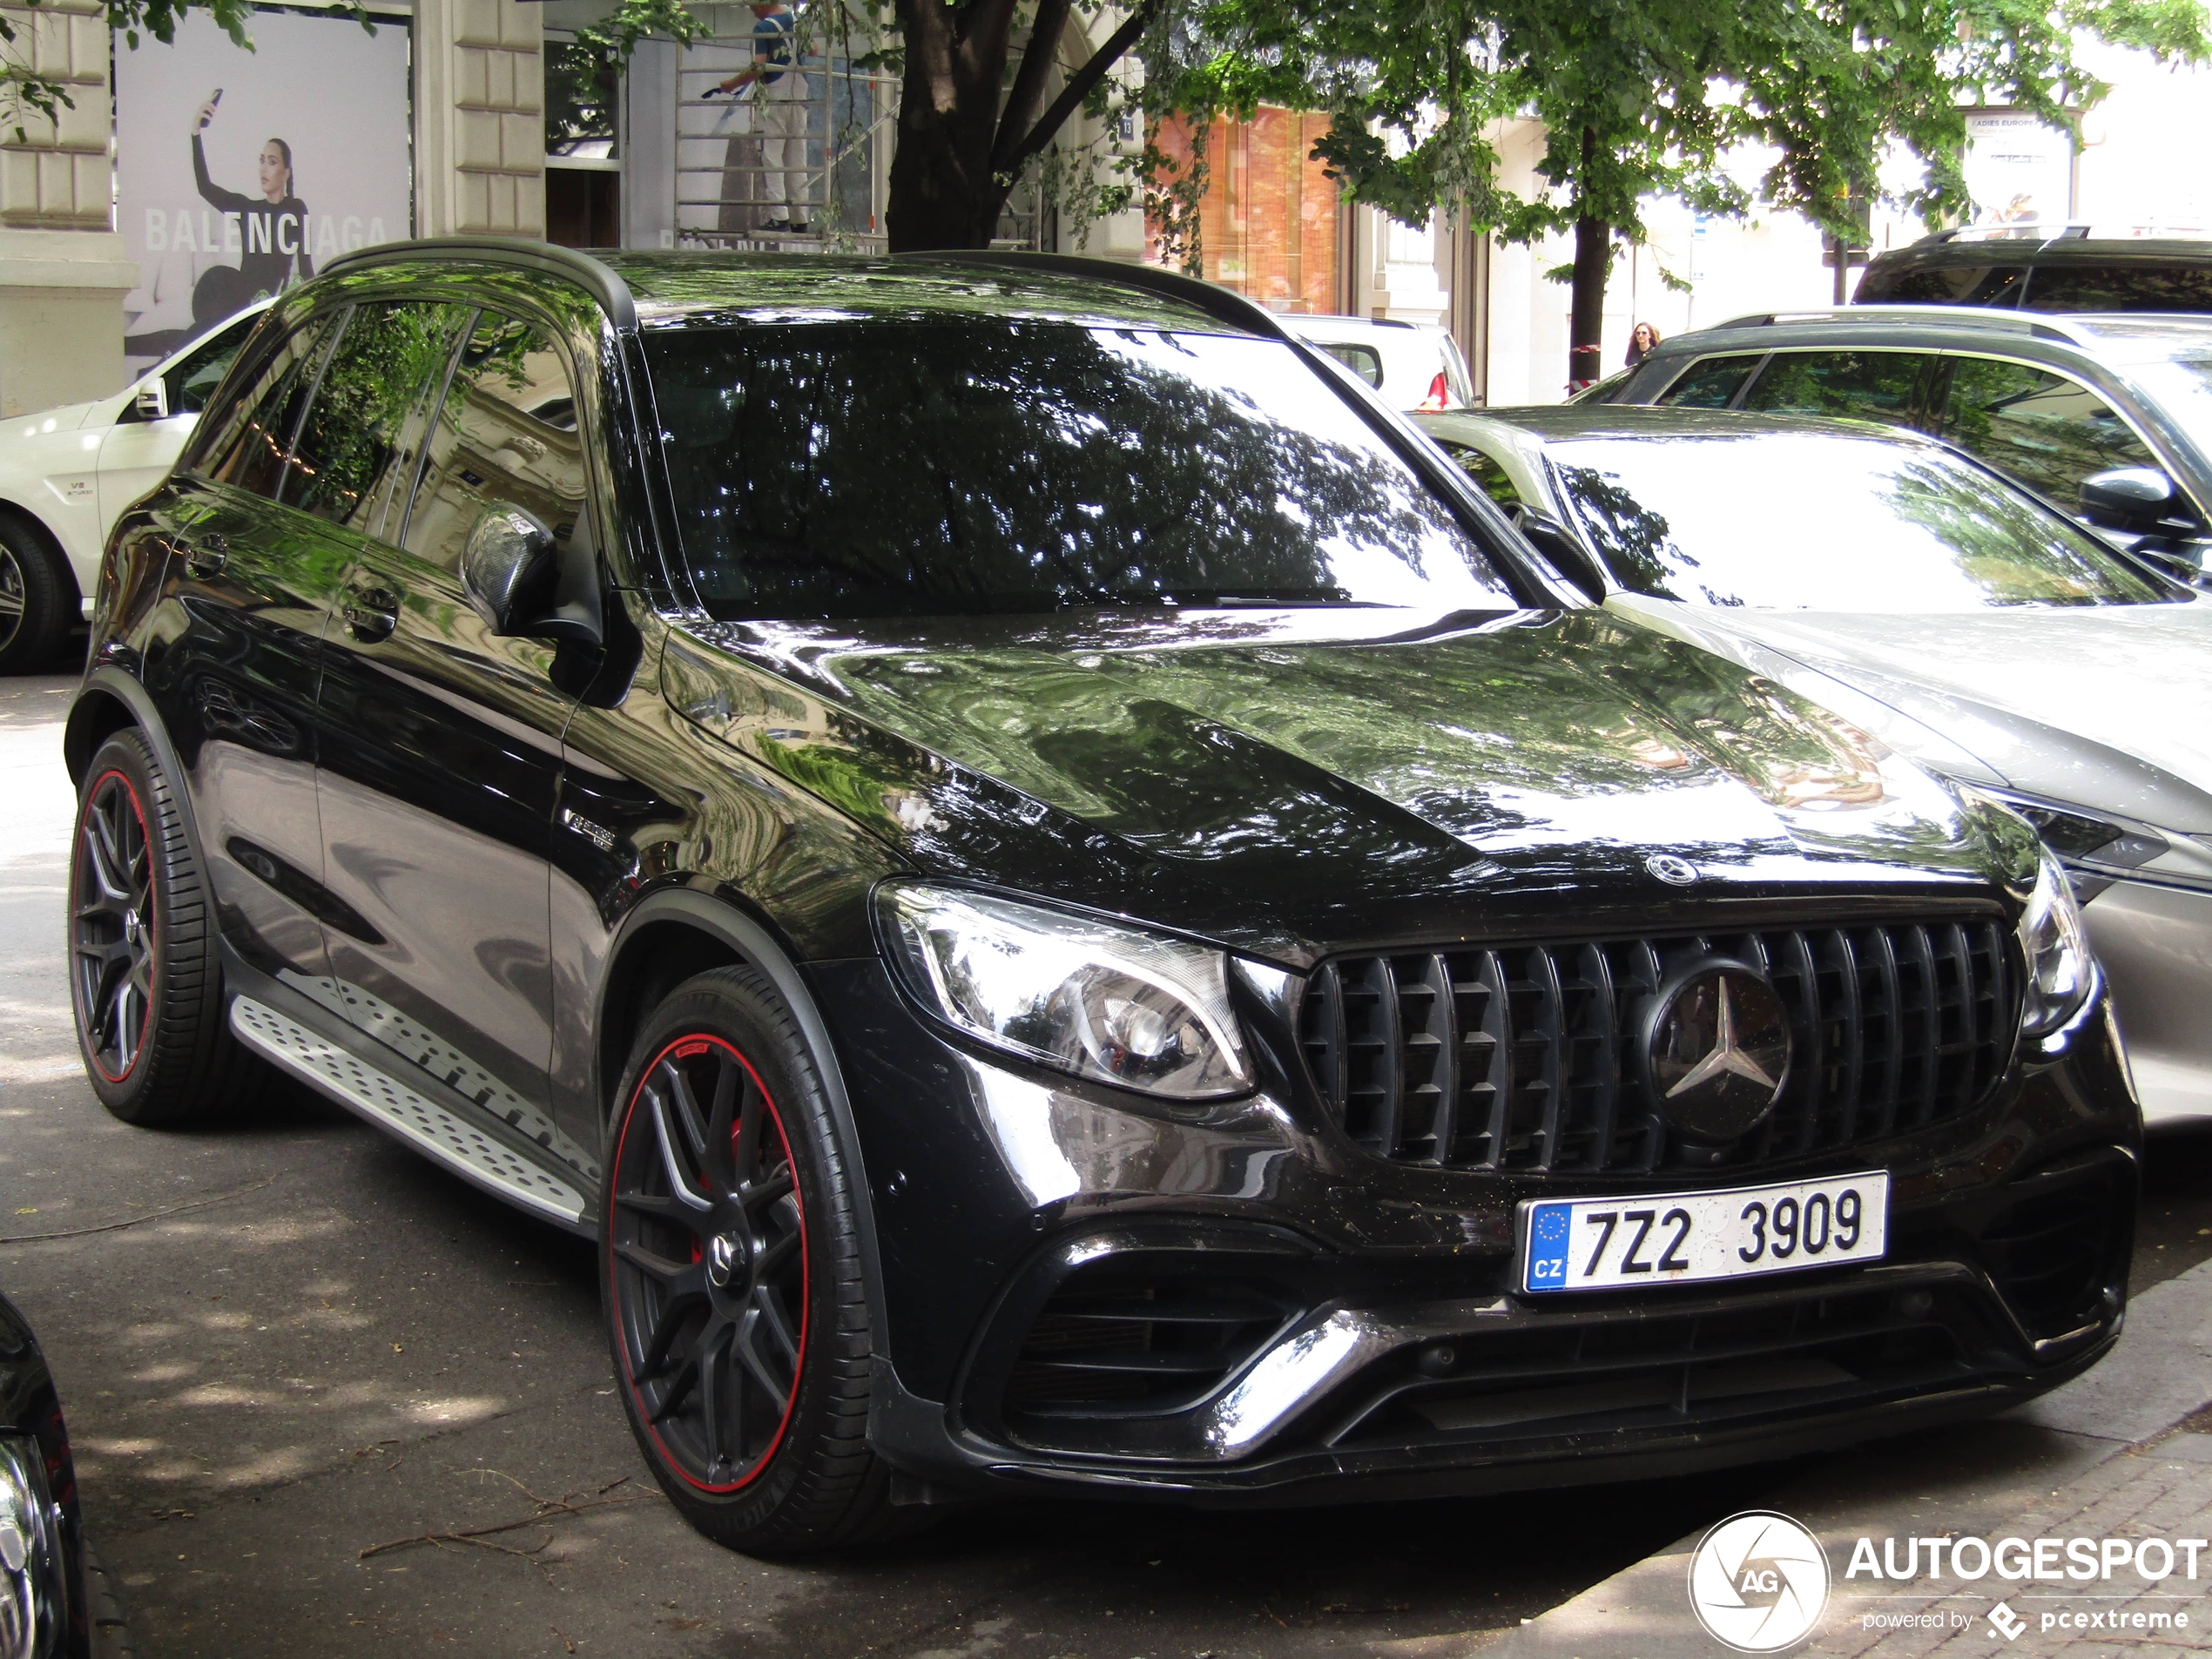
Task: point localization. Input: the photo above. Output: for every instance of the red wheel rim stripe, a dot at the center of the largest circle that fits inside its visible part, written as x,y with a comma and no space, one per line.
695,1043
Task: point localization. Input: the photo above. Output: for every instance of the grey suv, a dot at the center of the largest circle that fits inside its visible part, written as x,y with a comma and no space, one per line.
2109,415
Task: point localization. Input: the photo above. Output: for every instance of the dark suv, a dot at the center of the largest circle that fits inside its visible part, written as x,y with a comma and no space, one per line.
1064,900
2062,273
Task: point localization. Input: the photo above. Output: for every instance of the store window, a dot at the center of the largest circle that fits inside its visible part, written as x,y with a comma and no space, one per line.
1267,221
583,146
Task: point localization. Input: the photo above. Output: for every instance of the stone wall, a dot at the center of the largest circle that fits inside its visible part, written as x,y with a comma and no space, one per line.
480,120
63,271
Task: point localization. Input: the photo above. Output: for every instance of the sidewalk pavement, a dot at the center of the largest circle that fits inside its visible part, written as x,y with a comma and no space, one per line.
2124,1451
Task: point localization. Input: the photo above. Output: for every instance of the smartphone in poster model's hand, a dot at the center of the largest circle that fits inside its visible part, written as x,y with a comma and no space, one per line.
215,98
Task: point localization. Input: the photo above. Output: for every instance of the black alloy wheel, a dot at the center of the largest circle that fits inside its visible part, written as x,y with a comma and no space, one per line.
731,1269
34,598
145,976
710,1257
111,926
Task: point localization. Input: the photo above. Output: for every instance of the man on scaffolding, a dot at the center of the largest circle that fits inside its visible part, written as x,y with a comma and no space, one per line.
779,120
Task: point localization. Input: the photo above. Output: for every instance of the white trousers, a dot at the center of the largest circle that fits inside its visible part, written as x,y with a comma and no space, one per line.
782,114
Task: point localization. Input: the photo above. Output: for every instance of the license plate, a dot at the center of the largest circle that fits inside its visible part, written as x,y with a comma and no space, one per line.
1693,1238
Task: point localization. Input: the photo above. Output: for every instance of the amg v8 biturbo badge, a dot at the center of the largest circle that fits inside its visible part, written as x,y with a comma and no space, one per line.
1716,1050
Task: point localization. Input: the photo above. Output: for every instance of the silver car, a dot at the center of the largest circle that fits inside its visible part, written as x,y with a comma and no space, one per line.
1960,620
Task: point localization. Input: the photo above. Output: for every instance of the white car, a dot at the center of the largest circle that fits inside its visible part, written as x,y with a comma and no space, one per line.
1967,624
1416,368
66,473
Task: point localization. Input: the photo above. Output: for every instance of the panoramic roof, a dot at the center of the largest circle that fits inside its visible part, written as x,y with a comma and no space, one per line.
709,287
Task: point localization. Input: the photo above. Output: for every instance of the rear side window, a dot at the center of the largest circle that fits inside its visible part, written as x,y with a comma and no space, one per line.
505,435
1712,382
2047,431
1943,285
1885,386
834,469
350,462
2130,286
1363,361
247,445
1485,470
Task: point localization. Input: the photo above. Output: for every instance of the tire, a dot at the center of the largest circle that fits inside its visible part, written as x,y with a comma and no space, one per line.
35,592
145,979
732,1280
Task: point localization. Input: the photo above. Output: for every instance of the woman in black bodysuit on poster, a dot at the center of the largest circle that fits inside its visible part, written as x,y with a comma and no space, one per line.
273,230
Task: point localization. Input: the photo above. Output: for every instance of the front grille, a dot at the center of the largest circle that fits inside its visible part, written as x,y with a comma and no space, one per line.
1109,1343
1521,1058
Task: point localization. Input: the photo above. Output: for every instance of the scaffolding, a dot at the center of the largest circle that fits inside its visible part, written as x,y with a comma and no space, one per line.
842,135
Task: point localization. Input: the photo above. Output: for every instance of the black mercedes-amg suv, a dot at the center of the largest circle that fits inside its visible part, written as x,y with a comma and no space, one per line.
1074,910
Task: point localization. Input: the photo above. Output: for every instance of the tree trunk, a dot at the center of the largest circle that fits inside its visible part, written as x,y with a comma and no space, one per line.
958,150
1586,329
942,193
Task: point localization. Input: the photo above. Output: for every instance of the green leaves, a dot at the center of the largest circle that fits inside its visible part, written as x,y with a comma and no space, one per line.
1666,87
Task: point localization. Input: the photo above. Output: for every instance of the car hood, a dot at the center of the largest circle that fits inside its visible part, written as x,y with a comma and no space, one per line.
67,418
1296,781
2101,706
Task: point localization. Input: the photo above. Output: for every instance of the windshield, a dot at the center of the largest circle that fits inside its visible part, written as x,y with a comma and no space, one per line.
1806,521
834,469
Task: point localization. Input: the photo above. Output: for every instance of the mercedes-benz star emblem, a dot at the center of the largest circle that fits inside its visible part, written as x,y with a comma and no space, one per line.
721,1257
1676,873
1717,1050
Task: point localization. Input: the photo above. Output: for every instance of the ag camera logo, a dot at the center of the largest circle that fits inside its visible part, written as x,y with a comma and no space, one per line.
1758,1581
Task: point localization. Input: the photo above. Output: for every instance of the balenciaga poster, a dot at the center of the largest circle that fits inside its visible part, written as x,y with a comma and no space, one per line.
240,174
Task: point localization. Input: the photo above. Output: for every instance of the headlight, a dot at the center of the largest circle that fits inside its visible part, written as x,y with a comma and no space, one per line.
2055,949
1083,996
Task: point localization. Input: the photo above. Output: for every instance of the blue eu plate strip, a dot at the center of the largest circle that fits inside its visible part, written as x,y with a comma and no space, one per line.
1549,1225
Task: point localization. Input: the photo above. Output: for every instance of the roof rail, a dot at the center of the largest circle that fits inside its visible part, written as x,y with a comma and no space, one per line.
2039,325
596,279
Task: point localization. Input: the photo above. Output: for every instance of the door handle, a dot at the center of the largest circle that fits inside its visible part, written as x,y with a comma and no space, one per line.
206,556
371,614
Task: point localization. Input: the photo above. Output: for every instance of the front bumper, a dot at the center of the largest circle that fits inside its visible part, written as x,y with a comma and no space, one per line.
1235,1308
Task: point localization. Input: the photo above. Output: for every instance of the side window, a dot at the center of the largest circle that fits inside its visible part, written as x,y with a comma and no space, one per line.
1712,382
248,447
193,382
1945,284
350,459
1485,471
2130,286
1363,361
504,435
2047,431
1861,385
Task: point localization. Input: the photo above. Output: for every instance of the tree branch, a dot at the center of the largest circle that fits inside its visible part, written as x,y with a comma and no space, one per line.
1078,89
985,27
1028,81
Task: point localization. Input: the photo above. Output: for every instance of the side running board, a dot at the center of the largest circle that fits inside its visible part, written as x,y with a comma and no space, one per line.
394,1108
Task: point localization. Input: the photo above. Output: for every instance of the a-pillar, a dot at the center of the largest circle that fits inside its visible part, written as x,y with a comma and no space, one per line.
479,118
63,271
